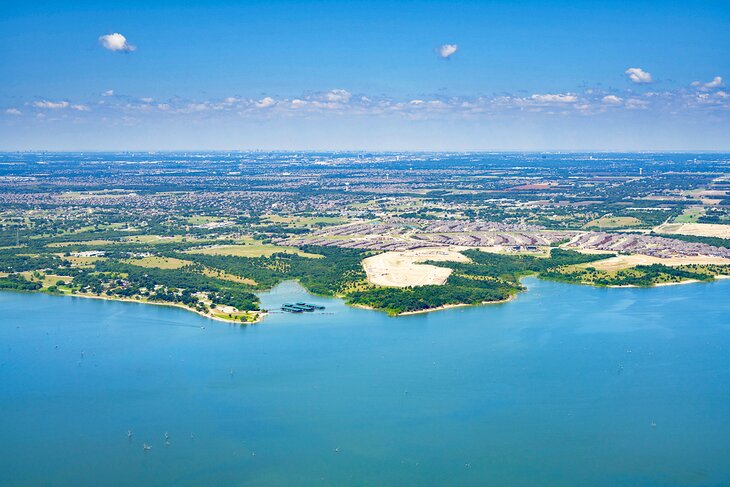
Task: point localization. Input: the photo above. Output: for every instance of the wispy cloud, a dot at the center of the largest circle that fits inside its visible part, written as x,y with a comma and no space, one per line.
116,42
338,96
612,100
447,50
108,93
52,105
639,76
554,98
340,102
13,111
716,82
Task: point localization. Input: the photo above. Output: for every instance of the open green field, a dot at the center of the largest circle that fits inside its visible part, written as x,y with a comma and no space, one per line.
303,221
203,219
252,250
158,262
99,242
614,222
153,239
690,215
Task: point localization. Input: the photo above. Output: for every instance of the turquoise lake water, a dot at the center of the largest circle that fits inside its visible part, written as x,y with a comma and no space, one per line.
566,385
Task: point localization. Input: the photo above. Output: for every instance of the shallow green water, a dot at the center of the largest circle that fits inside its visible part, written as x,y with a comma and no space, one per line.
567,385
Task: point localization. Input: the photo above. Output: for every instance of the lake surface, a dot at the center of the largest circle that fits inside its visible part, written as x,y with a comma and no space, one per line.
566,385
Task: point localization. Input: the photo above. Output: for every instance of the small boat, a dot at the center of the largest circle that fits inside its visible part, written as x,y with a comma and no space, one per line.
146,447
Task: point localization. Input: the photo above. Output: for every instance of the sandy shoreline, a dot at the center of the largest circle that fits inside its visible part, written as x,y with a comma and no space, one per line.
459,305
439,308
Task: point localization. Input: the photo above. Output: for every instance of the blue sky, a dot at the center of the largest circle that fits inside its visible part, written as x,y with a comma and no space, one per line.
526,75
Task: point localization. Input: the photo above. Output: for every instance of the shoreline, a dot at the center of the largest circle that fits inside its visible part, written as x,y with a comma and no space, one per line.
259,315
439,308
458,305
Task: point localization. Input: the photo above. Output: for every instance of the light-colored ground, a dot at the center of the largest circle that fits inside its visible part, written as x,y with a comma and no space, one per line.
697,229
627,261
401,269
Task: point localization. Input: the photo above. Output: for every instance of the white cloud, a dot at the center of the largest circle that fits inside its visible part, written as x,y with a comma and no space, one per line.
447,50
636,104
265,102
53,105
612,100
108,93
232,99
13,111
558,98
639,76
338,96
80,108
116,42
716,82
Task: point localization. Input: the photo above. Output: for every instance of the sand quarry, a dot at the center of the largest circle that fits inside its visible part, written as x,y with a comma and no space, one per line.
402,269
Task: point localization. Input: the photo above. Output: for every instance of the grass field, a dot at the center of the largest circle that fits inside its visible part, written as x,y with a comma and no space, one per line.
86,242
153,239
690,215
77,261
202,219
253,250
303,221
614,222
158,262
217,273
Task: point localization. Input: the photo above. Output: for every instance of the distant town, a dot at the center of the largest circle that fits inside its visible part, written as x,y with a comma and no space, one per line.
398,232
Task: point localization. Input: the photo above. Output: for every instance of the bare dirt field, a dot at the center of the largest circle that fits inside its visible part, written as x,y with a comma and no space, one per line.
401,269
697,229
626,261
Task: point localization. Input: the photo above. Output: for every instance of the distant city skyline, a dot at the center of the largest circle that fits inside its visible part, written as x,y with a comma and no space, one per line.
491,76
